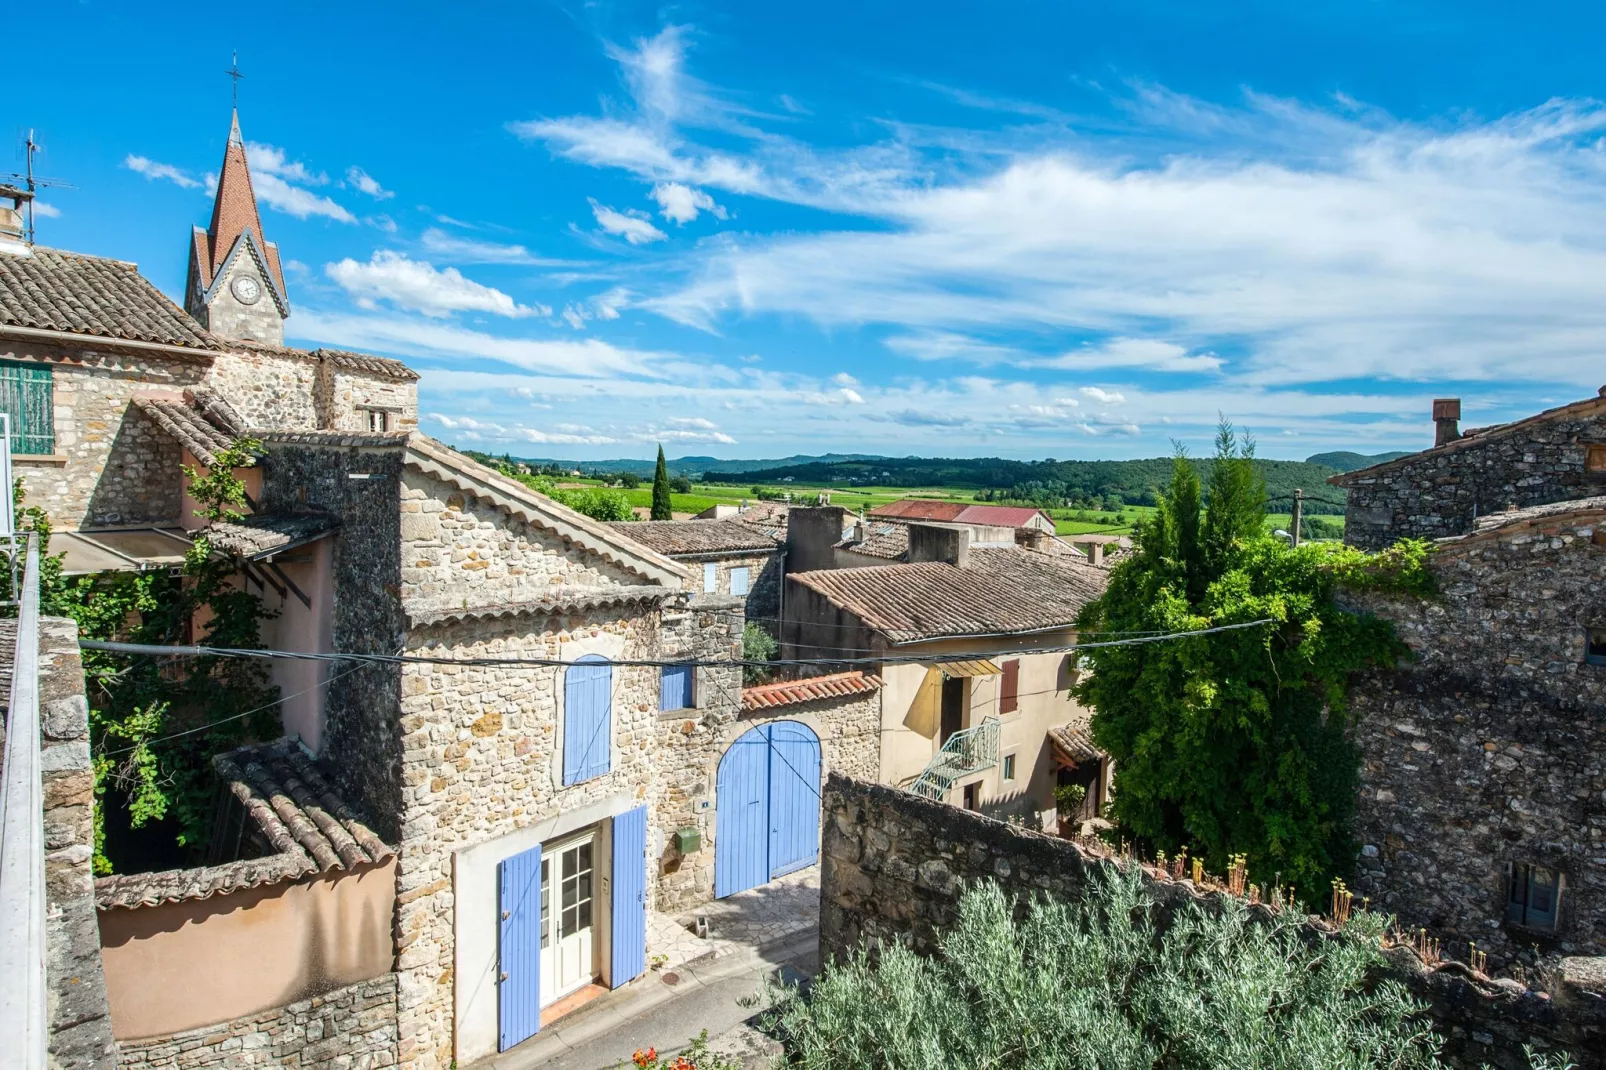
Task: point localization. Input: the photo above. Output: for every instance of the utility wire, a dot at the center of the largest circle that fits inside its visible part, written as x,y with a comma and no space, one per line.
424,659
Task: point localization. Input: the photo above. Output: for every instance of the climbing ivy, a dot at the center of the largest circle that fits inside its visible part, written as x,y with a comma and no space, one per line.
1236,742
155,723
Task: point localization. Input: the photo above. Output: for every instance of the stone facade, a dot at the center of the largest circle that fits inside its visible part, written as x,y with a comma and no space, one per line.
1439,492
226,316
269,386
1489,748
894,866
763,599
352,1028
345,397
80,1020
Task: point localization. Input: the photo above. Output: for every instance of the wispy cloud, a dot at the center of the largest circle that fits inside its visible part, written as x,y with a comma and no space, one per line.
474,251
143,165
363,182
418,286
634,227
281,182
681,204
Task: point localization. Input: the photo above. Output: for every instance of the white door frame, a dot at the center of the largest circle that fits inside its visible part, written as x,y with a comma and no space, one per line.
552,989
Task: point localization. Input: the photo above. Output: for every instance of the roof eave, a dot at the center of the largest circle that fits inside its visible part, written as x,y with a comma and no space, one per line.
103,341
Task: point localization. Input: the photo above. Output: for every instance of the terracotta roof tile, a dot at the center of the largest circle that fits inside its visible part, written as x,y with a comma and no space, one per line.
561,599
53,290
1073,744
383,367
256,536
187,425
294,818
920,509
882,538
672,537
768,696
1001,591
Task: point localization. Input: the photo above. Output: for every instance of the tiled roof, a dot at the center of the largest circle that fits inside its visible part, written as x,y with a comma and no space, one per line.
1001,591
882,538
1002,516
53,290
1477,435
289,437
672,537
1533,516
1074,744
187,426
234,214
561,599
384,367
768,696
768,517
292,816
256,536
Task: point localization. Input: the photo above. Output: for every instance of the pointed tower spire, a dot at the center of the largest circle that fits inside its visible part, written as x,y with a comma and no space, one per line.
236,287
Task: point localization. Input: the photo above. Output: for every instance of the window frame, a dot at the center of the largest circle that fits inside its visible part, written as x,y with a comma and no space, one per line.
710,577
1595,459
1594,646
691,687
376,415
1519,909
745,573
1009,686
18,377
1007,769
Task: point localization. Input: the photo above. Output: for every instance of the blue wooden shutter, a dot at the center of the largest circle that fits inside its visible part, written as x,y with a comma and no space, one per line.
794,833
25,396
519,948
629,896
587,719
675,691
738,581
710,578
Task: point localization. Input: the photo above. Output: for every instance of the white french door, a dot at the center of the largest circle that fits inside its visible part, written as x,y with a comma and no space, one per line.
568,916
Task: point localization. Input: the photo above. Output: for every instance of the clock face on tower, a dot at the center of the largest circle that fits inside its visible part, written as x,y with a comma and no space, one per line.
247,289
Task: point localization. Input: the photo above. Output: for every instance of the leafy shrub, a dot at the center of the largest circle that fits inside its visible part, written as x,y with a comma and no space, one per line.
1095,984
757,645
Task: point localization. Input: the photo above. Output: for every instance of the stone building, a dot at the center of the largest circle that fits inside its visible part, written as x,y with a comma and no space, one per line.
1552,456
726,556
1482,812
978,710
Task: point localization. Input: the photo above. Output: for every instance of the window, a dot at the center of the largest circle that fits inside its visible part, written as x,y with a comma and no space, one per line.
674,690
25,396
1534,896
587,719
1009,688
1009,767
378,419
710,578
738,581
1595,646
1595,459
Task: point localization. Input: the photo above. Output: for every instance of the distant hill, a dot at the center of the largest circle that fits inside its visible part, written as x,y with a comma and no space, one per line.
1344,461
692,467
1048,483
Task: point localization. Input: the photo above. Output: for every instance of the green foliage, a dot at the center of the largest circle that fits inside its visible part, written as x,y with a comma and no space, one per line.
1097,985
629,480
695,1057
599,503
757,645
680,485
1235,743
661,507
1068,798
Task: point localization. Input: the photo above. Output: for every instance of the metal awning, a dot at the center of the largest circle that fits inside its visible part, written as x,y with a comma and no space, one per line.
979,667
120,550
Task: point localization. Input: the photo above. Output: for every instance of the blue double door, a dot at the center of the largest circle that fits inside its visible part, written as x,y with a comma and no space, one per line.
768,798
548,907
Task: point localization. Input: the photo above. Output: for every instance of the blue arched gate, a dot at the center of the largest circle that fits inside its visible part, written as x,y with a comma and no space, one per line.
768,795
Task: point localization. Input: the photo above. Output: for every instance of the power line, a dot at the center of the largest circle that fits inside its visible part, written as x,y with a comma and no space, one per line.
424,659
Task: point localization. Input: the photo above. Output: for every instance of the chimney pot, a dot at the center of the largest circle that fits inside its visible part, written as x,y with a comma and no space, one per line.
1446,417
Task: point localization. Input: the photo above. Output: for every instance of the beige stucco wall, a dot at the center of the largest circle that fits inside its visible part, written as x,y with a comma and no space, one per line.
910,719
182,965
302,628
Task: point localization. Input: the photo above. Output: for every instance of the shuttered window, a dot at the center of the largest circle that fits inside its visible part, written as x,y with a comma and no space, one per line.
675,691
710,578
25,396
738,581
587,719
1009,693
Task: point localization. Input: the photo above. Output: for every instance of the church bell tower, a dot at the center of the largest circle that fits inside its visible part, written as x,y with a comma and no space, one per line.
236,288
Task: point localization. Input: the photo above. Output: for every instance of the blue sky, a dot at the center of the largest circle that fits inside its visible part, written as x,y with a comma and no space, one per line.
1020,229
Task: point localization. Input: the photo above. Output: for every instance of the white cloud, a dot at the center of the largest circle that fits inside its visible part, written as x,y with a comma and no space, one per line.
280,184
681,203
418,286
151,169
634,227
474,251
1133,353
1103,397
366,183
270,159
47,211
695,422
844,379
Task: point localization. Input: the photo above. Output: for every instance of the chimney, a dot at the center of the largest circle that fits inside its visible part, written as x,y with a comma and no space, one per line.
1031,538
939,542
1446,416
13,223
1095,554
811,535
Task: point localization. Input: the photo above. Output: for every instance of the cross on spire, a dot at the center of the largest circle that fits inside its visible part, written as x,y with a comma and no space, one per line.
234,73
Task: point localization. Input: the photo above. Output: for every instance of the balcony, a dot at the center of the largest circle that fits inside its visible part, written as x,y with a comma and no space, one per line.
966,752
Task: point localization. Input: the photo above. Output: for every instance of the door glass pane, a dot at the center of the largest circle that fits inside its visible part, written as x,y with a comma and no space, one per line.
546,902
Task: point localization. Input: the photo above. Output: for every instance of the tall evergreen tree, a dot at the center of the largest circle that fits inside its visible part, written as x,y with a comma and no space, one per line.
661,508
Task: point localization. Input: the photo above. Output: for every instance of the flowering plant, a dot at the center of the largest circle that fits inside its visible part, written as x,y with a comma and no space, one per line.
696,1057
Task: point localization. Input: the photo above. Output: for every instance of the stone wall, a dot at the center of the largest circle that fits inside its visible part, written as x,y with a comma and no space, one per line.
352,1028
1437,493
482,751
80,1019
268,386
462,552
228,317
361,741
112,466
341,392
894,866
1490,747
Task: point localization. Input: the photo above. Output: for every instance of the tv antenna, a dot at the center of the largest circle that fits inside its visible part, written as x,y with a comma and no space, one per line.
31,183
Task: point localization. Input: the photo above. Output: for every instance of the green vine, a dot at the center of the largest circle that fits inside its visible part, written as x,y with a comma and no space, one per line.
154,724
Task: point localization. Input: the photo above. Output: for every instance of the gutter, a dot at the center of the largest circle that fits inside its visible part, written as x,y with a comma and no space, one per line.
102,341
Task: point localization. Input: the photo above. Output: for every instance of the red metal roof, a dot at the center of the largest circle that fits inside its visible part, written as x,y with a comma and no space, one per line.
1001,516
920,509
768,696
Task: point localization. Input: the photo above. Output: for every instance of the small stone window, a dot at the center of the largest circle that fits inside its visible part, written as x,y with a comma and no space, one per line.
1533,896
1595,646
1595,459
378,419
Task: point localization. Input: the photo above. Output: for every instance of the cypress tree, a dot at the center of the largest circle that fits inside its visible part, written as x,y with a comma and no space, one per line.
661,509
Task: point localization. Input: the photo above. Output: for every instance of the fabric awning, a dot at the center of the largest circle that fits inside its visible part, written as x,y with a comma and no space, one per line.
123,550
979,667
